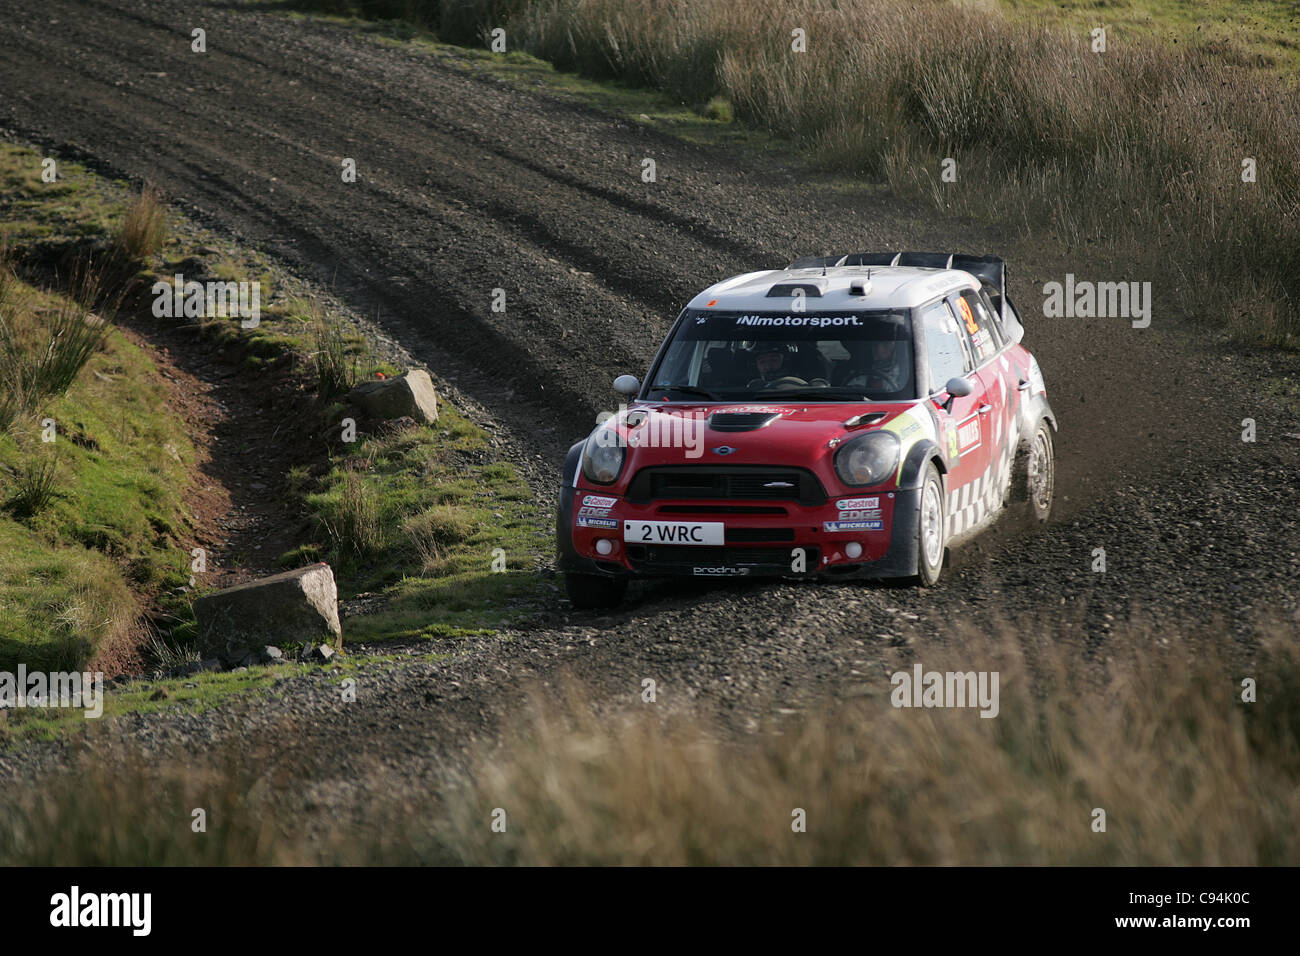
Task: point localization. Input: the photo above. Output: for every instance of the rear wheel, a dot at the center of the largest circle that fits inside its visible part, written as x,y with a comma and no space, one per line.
1034,481
931,529
587,591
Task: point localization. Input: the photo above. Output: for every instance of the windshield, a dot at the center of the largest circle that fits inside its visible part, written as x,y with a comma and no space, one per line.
815,356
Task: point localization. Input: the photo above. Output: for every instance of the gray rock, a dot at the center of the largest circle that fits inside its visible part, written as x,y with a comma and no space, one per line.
323,653
195,667
235,655
272,654
299,605
410,394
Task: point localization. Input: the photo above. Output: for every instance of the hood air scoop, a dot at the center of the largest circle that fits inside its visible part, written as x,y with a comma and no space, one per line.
740,421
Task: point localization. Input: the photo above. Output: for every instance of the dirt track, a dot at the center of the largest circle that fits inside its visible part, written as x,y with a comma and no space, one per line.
466,184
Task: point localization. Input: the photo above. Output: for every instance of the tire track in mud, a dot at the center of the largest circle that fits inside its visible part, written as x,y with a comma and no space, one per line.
460,280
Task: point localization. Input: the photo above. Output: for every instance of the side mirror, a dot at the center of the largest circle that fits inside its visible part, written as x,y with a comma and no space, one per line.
627,385
959,387
956,388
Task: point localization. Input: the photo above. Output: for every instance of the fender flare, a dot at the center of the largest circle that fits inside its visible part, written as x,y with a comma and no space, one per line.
571,463
1034,410
564,513
921,453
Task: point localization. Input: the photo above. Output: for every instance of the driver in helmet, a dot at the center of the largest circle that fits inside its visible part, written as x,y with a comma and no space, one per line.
879,364
772,361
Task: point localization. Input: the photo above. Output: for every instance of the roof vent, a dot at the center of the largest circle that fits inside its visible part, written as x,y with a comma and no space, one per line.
859,287
784,290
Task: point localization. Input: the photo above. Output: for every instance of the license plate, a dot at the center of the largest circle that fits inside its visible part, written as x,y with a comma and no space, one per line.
674,532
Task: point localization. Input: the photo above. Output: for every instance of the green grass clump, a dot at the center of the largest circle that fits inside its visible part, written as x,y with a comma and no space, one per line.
450,539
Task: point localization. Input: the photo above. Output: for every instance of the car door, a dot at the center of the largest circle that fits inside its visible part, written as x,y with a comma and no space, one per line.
998,412
962,430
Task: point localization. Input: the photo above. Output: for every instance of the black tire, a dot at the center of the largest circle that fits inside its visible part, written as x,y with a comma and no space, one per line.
589,591
1033,478
931,528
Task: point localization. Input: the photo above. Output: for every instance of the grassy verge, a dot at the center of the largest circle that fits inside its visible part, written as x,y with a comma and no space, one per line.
1132,158
192,694
444,539
93,469
77,566
1157,736
89,526
84,215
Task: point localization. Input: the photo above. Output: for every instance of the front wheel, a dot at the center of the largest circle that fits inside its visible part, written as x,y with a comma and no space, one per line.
588,591
931,529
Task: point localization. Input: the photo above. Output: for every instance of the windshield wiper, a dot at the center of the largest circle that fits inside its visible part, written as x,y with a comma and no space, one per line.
688,389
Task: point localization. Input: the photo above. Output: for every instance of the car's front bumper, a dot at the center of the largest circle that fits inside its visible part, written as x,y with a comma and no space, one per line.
797,542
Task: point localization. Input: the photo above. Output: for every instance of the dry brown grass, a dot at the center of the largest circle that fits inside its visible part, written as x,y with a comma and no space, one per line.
1157,737
1136,152
144,230
1130,160
435,530
1151,728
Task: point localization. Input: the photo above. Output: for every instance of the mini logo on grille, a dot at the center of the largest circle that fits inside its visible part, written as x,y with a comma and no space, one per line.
778,484
723,450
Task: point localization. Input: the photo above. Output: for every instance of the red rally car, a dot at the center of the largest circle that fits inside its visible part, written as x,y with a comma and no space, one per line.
849,415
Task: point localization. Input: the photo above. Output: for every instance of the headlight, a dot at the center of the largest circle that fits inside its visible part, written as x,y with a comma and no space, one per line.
602,458
868,459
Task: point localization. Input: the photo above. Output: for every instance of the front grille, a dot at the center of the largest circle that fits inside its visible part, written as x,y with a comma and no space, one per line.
721,510
684,482
755,535
671,559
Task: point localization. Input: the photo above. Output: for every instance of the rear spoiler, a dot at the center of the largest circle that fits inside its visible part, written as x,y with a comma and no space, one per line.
990,270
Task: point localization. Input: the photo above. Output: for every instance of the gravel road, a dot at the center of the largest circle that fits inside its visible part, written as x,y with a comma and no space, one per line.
467,184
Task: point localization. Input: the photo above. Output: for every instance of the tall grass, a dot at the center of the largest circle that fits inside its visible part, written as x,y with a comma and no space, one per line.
33,486
144,229
1130,159
352,516
1158,738
42,351
338,359
12,401
432,531
1154,733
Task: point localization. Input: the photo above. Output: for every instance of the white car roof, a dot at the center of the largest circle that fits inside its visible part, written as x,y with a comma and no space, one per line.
889,287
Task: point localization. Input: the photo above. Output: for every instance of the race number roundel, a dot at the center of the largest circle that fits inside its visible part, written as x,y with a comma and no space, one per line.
967,316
